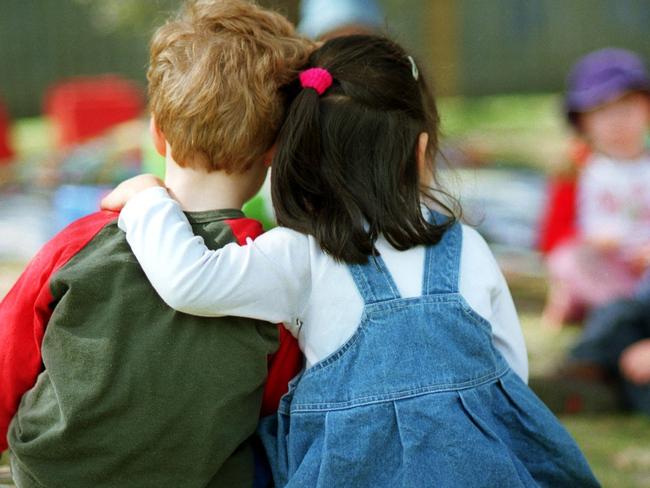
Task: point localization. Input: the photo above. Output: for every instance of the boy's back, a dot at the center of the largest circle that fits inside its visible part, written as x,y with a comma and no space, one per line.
106,385
130,392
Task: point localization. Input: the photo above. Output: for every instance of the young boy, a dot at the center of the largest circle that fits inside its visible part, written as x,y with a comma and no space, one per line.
101,384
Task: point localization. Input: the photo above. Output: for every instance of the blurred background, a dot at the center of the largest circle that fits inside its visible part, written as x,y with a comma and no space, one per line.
73,124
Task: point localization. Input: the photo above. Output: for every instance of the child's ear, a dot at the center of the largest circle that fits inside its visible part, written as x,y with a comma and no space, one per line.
422,158
159,141
267,157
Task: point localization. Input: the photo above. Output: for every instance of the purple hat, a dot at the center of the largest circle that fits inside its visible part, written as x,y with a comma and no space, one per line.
603,76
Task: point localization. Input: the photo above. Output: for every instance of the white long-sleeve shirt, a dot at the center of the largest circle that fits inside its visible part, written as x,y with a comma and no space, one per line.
284,276
614,200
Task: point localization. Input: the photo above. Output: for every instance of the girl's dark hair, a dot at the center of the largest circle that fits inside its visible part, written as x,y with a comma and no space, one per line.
345,170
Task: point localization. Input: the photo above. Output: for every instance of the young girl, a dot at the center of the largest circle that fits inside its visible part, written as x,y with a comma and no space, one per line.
608,104
416,366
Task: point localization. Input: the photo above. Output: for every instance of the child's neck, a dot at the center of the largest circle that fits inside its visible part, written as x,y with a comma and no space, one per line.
198,190
627,152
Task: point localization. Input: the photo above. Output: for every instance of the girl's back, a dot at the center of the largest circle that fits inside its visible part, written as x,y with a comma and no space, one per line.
324,306
418,396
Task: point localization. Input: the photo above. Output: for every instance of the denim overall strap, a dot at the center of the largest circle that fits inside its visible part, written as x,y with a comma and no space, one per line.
374,281
442,263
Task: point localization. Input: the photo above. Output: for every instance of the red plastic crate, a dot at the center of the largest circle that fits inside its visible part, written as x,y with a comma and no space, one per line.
85,107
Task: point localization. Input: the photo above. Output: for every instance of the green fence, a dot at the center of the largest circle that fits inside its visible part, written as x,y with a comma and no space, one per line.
529,45
473,47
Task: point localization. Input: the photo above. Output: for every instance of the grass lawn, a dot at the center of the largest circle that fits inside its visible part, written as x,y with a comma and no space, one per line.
515,130
616,445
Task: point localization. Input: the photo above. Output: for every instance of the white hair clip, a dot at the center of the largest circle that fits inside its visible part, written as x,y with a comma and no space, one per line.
414,68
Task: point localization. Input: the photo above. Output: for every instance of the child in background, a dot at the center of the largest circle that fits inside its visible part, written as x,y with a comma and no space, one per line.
608,103
107,386
416,365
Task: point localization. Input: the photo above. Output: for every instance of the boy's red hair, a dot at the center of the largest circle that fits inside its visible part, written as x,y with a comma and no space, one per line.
214,78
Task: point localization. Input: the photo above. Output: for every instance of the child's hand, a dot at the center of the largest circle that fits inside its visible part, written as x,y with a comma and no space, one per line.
604,244
640,259
123,192
635,362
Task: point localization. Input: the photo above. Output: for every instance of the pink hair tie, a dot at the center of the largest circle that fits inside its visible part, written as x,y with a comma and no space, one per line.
317,78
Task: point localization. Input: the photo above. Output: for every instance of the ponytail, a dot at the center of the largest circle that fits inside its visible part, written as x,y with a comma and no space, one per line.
301,186
297,161
346,171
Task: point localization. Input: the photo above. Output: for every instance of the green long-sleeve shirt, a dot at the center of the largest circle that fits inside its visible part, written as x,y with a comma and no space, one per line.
115,388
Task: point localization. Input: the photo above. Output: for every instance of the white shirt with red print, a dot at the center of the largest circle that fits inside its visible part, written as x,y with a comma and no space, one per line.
614,201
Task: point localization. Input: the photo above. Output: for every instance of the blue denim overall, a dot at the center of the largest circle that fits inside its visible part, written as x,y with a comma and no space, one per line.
418,397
